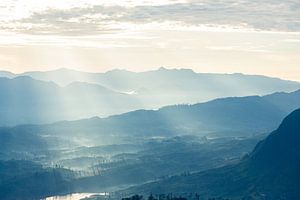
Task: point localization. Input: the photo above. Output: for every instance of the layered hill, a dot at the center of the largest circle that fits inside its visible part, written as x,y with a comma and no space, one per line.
27,180
68,95
25,100
271,171
240,116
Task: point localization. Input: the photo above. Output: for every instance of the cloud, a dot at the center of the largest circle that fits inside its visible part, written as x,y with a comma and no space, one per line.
266,15
292,40
246,48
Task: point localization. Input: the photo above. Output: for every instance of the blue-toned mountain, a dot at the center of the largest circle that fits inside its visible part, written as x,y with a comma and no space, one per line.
271,171
68,95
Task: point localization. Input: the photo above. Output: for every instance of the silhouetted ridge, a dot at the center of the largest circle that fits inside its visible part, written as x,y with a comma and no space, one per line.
270,172
291,125
282,146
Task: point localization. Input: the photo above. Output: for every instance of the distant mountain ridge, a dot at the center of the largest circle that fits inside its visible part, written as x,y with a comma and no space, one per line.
25,100
69,95
65,76
271,171
178,81
234,116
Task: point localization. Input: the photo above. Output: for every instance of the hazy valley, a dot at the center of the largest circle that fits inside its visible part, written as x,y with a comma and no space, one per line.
180,148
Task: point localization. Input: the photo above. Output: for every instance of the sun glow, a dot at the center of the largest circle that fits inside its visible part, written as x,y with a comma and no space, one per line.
141,35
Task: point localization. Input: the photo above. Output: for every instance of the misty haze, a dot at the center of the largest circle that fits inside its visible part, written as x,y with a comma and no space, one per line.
149,100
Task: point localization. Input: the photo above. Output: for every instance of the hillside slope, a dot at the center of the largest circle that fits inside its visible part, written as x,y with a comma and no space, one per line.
46,97
271,171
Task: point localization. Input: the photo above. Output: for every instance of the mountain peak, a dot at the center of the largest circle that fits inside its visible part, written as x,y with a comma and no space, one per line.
164,69
282,146
291,123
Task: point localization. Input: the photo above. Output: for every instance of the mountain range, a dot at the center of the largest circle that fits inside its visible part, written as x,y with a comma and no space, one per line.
226,117
271,171
45,97
123,114
25,100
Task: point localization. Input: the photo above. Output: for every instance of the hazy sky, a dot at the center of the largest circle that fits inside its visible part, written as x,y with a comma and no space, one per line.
249,36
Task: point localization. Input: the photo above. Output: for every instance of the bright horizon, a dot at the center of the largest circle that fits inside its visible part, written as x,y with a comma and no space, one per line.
152,69
98,36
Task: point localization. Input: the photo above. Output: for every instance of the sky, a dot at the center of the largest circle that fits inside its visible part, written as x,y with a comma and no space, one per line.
223,36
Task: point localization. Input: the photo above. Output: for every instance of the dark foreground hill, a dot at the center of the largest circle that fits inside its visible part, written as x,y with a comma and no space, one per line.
271,171
27,180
